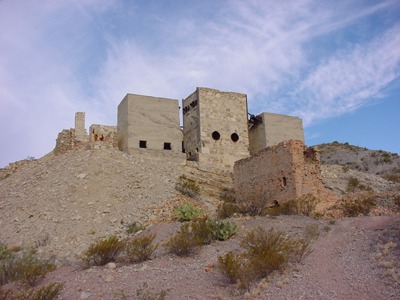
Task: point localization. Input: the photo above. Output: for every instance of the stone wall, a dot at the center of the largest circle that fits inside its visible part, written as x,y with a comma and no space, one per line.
215,128
105,134
80,131
149,125
271,129
281,172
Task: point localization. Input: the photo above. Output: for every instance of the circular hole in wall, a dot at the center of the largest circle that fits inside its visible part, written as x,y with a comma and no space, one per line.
215,135
234,137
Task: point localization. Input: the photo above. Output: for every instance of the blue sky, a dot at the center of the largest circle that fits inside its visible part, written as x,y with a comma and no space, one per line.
335,64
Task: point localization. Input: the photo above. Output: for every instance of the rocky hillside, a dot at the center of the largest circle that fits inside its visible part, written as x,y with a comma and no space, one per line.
61,203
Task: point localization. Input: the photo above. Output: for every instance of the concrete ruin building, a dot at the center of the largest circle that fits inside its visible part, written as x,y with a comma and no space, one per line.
217,138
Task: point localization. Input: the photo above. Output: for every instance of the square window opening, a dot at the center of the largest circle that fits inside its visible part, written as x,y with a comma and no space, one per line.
142,144
167,146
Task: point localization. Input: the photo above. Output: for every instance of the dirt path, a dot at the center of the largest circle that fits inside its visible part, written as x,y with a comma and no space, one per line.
339,268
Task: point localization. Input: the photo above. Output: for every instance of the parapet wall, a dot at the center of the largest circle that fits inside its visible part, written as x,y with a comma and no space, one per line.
282,172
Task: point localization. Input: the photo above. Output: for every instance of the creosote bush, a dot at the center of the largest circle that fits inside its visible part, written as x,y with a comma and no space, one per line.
187,187
187,212
103,251
265,252
27,266
140,248
227,209
192,235
304,205
47,292
357,205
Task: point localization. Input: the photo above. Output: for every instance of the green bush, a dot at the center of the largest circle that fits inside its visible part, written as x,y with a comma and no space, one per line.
222,230
134,227
187,212
187,187
140,248
266,251
104,251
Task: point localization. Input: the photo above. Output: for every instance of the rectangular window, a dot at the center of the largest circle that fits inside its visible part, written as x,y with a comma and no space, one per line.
142,144
167,146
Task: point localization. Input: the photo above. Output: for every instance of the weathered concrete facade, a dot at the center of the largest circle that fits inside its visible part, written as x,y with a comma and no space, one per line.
149,125
269,129
215,128
281,172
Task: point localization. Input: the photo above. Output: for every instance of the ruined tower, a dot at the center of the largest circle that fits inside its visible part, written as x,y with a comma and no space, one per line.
80,131
215,128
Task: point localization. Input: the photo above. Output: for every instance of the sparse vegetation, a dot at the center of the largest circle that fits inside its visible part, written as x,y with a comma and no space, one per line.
304,205
104,251
354,185
266,251
134,227
47,292
187,212
27,267
145,293
227,209
187,187
312,231
140,248
185,242
353,206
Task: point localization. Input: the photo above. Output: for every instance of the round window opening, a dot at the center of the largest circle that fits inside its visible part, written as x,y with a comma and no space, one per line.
215,135
234,137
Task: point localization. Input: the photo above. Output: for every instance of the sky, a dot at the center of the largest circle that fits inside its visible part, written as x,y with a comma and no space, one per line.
335,64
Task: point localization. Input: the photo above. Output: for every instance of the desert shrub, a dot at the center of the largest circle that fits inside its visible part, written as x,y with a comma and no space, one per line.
47,292
222,230
312,231
184,242
145,293
231,265
187,212
202,229
386,157
355,206
140,248
30,268
27,267
134,227
352,184
266,251
227,209
304,205
254,207
187,187
393,178
103,251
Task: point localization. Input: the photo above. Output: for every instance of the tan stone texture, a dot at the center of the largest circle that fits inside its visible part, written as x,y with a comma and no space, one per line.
149,125
273,129
282,172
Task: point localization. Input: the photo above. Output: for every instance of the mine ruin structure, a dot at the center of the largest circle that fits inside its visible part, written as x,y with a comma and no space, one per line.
228,151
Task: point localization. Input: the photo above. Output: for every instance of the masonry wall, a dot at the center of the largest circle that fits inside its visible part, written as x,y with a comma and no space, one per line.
149,125
104,133
273,129
80,131
220,122
281,172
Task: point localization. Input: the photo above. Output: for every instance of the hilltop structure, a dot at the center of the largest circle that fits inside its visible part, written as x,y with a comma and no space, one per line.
218,138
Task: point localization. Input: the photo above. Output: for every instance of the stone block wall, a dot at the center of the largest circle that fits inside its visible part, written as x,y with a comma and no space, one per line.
80,131
149,125
282,172
271,129
215,128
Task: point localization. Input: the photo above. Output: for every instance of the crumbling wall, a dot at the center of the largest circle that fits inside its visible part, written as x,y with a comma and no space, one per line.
65,141
282,172
105,134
